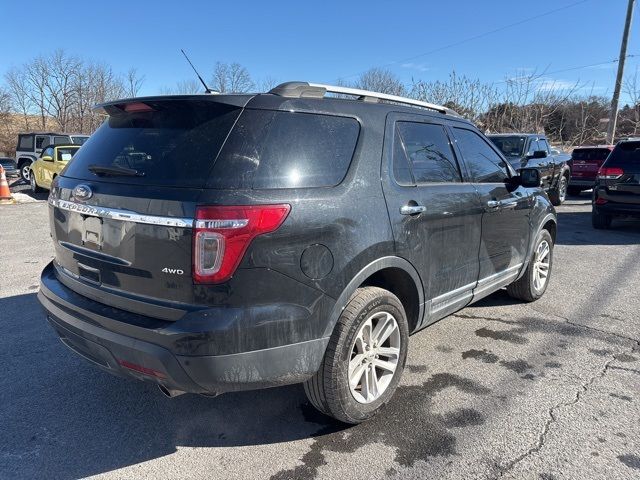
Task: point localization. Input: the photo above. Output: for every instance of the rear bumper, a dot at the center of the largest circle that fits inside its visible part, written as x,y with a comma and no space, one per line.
121,350
618,204
581,182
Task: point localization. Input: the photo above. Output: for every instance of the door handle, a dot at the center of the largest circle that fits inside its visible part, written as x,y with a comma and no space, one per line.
412,209
493,204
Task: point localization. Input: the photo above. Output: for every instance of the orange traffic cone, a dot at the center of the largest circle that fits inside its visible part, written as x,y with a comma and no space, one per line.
5,193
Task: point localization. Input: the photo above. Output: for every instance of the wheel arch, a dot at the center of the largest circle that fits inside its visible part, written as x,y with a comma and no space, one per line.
392,273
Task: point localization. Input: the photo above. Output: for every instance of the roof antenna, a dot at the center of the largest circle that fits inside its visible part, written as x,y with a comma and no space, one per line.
206,88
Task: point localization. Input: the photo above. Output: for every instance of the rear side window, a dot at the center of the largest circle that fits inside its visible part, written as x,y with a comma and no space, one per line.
590,153
626,154
273,149
483,163
60,140
174,143
26,143
422,154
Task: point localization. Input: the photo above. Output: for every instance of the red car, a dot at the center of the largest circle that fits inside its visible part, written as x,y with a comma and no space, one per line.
585,163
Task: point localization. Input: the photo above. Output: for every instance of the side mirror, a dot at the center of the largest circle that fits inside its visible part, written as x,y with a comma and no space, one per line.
539,154
530,177
47,158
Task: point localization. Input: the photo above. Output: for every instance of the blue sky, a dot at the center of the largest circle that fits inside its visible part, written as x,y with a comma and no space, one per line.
326,41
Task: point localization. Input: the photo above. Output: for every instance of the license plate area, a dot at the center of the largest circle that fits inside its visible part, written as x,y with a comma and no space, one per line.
92,232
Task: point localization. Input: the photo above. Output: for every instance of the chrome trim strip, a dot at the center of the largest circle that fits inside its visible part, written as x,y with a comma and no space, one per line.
123,215
497,276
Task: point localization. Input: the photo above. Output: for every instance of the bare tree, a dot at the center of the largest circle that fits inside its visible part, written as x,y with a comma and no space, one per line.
184,87
231,78
381,81
133,83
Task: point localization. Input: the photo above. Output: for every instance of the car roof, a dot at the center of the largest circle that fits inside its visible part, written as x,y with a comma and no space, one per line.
608,147
516,134
45,133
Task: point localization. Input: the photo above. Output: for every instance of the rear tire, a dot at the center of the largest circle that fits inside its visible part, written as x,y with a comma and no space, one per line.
528,287
600,221
25,170
574,191
372,331
559,194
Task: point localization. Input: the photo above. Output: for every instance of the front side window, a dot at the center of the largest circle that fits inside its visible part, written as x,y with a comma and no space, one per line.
483,163
423,154
40,142
47,152
61,140
533,146
543,145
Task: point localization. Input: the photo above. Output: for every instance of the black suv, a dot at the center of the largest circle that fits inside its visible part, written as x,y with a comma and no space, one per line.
617,189
211,243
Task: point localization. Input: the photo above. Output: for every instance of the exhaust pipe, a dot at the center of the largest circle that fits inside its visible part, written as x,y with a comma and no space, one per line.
169,392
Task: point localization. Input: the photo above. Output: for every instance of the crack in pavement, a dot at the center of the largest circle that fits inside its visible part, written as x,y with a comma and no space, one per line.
553,419
584,387
588,327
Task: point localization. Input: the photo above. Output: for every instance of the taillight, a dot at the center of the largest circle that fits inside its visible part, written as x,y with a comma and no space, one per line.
222,234
600,201
610,173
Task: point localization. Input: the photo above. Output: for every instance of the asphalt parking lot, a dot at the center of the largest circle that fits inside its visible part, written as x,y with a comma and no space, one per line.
547,390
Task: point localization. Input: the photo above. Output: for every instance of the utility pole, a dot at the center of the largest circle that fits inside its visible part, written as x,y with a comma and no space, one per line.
613,116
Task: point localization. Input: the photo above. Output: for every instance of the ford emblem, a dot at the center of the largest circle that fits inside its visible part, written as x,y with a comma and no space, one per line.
82,192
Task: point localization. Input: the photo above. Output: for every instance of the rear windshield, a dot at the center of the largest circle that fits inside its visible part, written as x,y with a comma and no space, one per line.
626,154
273,149
590,153
175,144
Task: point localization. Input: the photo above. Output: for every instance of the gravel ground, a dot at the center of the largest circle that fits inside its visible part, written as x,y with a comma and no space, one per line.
499,390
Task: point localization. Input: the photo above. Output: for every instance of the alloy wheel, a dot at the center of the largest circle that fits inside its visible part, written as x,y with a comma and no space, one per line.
25,172
374,357
541,265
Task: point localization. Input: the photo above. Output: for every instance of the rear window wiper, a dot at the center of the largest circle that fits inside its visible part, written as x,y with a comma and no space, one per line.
101,170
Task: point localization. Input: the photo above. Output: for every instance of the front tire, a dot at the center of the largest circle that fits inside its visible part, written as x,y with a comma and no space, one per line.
365,358
32,181
532,285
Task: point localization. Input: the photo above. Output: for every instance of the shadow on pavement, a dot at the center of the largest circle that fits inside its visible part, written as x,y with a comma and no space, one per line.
574,228
65,417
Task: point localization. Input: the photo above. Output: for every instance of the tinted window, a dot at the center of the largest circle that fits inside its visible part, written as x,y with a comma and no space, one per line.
626,154
484,164
174,144
61,140
269,149
26,143
590,154
511,146
427,152
533,147
40,141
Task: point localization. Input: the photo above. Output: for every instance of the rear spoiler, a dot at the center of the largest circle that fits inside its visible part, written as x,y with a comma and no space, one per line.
141,104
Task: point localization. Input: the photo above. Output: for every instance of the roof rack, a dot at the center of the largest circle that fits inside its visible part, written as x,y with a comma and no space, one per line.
318,90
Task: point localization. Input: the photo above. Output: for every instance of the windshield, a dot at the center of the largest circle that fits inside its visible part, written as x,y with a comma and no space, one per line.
66,153
512,146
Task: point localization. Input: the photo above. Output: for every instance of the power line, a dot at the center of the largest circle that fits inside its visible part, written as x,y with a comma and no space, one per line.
470,39
569,69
